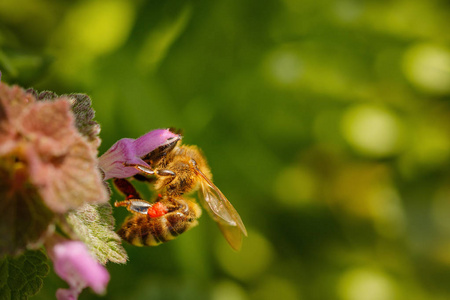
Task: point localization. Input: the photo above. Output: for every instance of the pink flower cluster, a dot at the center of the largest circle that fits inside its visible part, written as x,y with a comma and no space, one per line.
41,136
47,169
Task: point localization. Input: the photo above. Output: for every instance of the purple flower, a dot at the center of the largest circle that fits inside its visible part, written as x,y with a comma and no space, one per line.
131,151
74,264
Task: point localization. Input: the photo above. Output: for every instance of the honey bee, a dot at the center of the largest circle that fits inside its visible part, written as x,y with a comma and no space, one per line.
179,169
162,221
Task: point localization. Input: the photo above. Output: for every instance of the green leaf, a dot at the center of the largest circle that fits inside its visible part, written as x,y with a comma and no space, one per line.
24,219
94,225
22,276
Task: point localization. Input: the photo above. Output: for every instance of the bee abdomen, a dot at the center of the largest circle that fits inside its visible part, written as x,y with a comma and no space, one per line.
178,223
141,229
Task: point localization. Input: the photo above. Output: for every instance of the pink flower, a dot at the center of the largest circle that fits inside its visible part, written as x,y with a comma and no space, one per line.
41,135
131,151
74,264
48,164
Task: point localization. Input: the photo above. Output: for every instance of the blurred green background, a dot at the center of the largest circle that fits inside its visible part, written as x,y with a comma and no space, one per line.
326,123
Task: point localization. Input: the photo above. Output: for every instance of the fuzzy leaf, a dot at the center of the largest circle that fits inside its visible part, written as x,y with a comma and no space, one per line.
22,277
94,225
24,220
82,110
45,95
84,117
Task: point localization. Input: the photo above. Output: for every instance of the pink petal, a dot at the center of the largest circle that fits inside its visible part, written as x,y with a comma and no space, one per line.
152,140
74,264
50,126
130,151
15,101
67,294
69,181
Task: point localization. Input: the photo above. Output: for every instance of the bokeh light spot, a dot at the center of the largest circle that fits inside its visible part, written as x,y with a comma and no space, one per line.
251,261
228,290
365,284
427,66
89,30
102,25
283,67
372,130
295,186
348,11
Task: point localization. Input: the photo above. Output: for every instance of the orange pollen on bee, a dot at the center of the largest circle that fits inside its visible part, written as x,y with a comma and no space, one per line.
157,210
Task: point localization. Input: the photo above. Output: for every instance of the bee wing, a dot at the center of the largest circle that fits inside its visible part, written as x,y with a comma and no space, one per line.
222,212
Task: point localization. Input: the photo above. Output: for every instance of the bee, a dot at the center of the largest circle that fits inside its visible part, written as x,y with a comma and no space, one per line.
153,224
179,169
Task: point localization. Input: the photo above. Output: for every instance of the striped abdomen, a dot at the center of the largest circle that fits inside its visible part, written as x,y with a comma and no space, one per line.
140,229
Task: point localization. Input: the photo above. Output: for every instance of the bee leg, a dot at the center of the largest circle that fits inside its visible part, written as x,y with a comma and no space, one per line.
135,205
126,188
141,168
148,171
154,210
166,172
